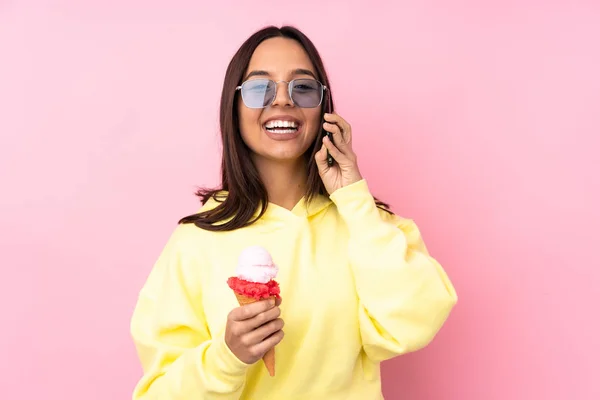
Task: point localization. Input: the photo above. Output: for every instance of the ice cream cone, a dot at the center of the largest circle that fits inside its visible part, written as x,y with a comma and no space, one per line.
269,357
254,280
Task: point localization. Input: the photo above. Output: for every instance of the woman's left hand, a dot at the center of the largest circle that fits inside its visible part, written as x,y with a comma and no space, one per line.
344,170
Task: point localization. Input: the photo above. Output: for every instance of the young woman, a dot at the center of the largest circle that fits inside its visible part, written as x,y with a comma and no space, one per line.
357,283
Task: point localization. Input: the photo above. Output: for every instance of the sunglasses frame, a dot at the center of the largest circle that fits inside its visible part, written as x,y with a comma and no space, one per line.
289,87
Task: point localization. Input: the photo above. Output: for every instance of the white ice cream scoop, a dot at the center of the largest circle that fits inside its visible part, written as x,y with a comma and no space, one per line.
255,264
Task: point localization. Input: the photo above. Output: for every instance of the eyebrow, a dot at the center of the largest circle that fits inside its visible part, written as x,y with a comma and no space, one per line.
297,71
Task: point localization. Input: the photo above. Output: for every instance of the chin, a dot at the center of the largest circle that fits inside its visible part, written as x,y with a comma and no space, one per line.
283,157
283,146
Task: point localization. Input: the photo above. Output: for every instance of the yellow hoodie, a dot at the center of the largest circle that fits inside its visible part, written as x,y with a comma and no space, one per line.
358,287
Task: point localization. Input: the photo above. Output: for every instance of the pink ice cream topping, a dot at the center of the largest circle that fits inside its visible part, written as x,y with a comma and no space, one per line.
256,265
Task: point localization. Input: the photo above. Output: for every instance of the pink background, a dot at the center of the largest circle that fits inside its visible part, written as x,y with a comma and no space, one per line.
480,121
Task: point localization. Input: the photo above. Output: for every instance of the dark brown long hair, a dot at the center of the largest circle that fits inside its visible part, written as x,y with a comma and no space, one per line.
239,176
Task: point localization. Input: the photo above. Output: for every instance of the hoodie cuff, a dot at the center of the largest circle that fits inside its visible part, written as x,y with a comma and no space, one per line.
222,362
356,205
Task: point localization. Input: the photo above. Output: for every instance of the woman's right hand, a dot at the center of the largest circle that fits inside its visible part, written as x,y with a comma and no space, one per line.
254,329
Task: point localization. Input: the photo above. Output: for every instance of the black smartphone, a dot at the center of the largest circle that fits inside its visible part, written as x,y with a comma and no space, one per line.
328,108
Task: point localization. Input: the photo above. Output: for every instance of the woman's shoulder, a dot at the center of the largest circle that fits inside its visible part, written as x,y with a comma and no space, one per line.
188,232
185,236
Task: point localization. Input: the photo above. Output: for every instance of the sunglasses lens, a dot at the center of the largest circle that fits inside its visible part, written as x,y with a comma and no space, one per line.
258,93
307,93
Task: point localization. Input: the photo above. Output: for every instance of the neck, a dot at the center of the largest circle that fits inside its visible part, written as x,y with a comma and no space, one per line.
285,182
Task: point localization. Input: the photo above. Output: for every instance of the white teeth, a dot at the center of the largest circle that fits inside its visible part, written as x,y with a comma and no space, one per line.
288,130
281,124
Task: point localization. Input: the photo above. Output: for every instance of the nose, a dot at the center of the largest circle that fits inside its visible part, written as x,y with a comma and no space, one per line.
282,96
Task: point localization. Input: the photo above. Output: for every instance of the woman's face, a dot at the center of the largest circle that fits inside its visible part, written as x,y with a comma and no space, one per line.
281,131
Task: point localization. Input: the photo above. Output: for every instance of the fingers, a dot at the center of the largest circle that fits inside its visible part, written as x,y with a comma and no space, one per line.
333,150
253,329
263,318
259,334
321,156
250,311
338,139
321,159
268,343
345,128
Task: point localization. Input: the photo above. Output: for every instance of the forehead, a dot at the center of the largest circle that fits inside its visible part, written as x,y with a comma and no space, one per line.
279,55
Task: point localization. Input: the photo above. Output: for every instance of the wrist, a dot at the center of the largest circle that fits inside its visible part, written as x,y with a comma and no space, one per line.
355,204
354,178
225,360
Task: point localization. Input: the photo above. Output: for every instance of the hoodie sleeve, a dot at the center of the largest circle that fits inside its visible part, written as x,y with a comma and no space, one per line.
404,294
180,359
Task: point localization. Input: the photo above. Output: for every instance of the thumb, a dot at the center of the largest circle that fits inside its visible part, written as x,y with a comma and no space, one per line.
321,159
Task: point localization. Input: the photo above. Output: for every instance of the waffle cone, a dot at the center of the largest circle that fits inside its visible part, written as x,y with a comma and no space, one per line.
269,357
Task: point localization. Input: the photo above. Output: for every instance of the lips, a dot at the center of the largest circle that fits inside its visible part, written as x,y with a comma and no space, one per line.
283,127
282,124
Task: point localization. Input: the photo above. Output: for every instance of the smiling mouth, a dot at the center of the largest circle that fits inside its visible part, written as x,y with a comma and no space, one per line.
282,127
